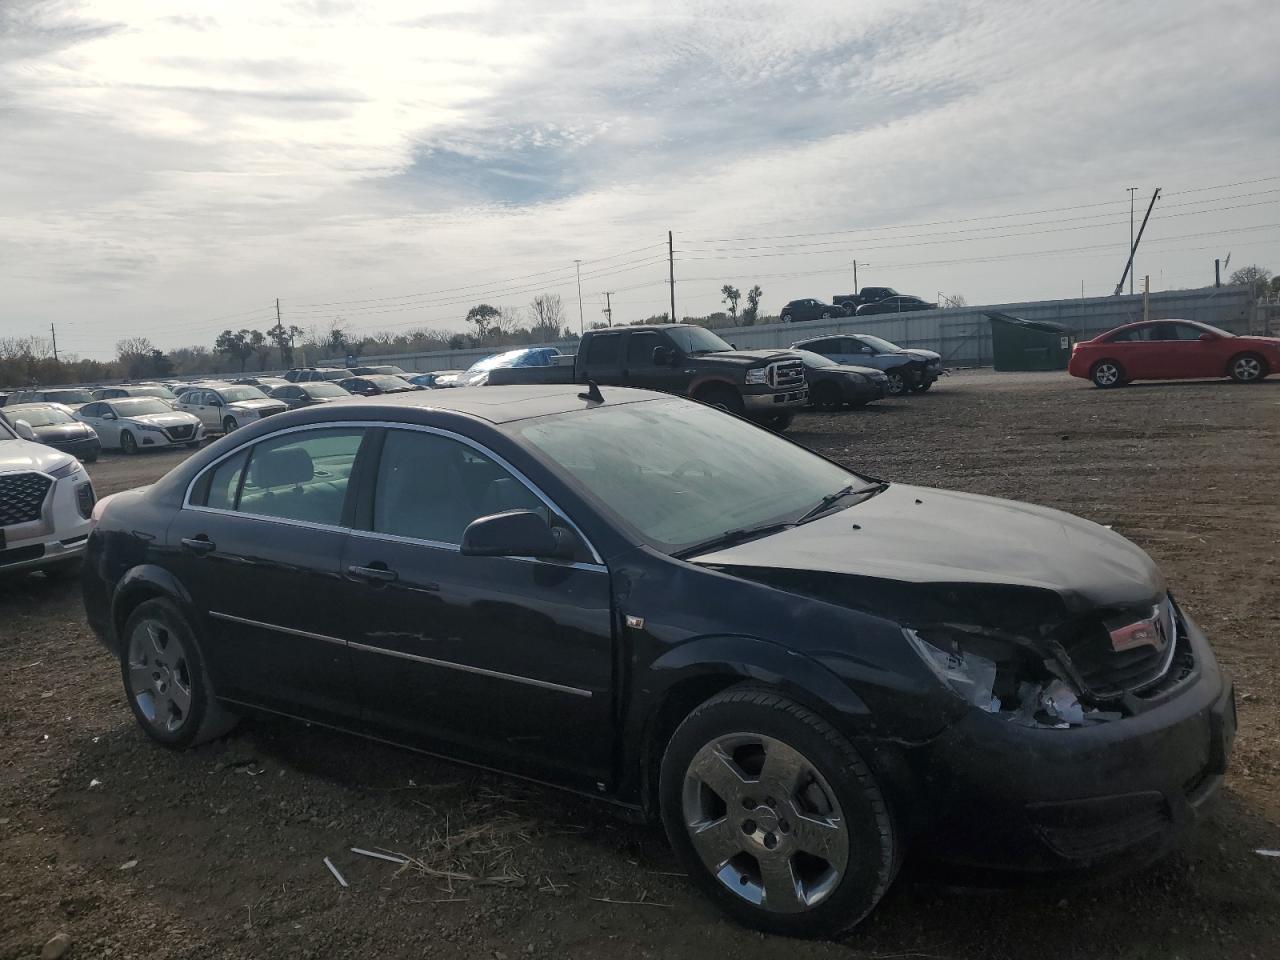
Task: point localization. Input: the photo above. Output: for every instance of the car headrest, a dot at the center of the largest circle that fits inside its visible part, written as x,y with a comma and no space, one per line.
283,467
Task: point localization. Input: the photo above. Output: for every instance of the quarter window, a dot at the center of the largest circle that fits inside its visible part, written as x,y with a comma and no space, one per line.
431,487
299,476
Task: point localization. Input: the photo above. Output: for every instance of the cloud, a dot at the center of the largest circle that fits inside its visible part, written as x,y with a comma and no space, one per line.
166,162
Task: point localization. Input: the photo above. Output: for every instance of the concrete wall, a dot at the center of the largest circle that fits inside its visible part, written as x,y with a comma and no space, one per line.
961,335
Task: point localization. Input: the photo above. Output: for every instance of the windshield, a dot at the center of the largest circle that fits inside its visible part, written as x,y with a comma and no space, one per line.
507,359
883,346
140,406
325,390
812,359
163,392
5,432
236,394
68,396
680,473
697,340
40,416
387,383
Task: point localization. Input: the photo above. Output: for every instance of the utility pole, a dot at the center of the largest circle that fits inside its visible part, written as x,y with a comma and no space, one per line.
671,272
855,278
1217,272
278,312
1132,190
1146,297
1134,249
608,307
582,325
54,334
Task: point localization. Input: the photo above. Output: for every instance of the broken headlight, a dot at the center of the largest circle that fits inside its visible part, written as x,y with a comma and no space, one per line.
987,672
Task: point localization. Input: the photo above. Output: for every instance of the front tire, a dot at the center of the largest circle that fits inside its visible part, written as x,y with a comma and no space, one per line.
1247,368
775,816
1107,374
827,396
128,443
229,424
897,383
722,398
165,679
785,318
922,386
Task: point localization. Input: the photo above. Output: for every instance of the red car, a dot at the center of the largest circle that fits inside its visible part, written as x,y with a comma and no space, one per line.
1173,350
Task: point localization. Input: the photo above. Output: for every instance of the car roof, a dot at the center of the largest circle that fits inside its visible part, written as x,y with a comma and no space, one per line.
504,404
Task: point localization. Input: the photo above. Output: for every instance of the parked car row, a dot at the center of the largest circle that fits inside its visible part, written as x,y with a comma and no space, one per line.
872,300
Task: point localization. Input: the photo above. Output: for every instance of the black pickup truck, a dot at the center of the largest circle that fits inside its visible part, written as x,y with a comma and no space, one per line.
767,386
852,301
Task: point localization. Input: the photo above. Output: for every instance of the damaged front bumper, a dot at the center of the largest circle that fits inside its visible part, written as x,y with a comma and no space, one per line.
1009,796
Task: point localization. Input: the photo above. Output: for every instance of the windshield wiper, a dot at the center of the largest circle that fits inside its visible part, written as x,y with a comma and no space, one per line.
846,491
733,537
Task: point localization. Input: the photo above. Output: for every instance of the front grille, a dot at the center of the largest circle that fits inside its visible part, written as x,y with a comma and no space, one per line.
1108,673
21,497
268,411
181,432
786,373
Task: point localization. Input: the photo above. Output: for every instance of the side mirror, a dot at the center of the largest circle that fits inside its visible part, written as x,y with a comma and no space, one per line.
515,533
109,416
661,356
734,345
215,402
23,429
1205,337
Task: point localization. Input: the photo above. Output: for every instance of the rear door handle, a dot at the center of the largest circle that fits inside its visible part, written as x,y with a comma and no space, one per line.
199,545
379,574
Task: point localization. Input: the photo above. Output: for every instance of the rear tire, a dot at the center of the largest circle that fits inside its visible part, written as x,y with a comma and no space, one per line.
826,314
763,800
1247,368
165,679
128,443
1107,374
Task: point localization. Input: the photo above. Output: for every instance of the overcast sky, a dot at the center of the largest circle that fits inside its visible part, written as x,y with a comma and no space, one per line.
168,169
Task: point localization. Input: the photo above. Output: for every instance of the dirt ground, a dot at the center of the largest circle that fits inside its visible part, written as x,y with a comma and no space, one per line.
134,851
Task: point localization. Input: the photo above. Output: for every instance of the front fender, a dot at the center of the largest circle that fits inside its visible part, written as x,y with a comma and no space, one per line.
143,582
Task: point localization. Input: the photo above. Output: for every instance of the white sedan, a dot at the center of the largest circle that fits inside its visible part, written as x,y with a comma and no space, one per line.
135,423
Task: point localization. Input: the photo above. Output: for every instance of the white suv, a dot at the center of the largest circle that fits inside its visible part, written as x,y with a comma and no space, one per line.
46,505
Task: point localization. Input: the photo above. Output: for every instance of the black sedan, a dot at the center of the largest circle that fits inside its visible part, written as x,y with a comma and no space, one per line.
805,672
375,385
54,426
296,395
834,385
798,311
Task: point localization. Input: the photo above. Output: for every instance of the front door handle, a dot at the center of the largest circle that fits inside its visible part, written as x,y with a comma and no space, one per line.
199,545
376,572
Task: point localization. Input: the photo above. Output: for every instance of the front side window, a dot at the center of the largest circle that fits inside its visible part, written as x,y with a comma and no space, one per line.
300,476
430,487
1135,335
680,473
877,344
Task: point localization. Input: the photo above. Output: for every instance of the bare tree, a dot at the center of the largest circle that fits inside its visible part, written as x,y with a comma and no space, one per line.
1253,275
548,315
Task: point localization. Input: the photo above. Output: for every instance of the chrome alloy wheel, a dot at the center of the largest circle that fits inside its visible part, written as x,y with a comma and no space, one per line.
765,822
1246,368
159,675
1106,374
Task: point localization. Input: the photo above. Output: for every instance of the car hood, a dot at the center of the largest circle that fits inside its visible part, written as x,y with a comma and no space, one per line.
921,354
59,432
744,358
922,535
263,404
871,372
175,419
1264,341
25,455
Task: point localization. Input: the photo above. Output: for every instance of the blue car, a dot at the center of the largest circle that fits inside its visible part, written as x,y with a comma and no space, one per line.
477,374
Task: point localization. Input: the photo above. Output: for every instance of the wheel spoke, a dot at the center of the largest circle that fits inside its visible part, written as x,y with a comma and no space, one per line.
716,842
781,890
718,771
782,767
157,641
180,696
139,676
821,838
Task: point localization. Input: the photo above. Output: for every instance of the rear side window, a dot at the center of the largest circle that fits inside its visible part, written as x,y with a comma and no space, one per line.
604,350
640,347
431,487
297,476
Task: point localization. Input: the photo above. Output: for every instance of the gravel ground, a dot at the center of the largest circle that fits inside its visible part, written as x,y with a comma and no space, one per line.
133,851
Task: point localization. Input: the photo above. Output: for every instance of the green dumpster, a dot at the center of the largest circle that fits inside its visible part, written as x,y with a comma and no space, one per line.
1018,344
